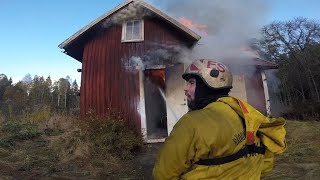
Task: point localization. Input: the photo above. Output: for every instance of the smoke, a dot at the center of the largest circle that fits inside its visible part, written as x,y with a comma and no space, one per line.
276,104
133,11
134,63
163,54
227,27
230,24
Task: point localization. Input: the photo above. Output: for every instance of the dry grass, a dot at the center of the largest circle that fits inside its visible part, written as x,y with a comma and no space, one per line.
59,150
302,158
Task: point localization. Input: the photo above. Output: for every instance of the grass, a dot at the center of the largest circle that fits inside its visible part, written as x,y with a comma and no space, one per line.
112,136
95,147
83,150
302,158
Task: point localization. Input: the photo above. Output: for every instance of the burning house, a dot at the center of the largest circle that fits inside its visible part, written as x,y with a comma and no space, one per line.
131,64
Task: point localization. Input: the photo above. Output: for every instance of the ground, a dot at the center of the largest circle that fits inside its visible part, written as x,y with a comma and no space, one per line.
302,158
43,158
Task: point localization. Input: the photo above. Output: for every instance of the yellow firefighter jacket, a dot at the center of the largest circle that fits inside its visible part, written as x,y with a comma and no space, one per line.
220,129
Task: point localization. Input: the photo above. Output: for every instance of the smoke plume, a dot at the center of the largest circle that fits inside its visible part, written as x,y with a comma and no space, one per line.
226,27
133,11
163,55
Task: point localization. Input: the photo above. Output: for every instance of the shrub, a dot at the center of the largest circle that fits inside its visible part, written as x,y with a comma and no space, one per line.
304,111
6,142
112,135
16,131
40,115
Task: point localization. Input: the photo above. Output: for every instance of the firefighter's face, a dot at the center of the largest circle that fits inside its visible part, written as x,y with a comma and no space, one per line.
189,90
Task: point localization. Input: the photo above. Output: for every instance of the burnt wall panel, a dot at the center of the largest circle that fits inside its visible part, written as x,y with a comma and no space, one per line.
106,83
255,92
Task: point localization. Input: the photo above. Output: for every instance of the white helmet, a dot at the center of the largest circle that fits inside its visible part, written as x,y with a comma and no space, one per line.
215,74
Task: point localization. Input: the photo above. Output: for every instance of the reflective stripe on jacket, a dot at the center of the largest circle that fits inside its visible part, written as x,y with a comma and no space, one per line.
219,130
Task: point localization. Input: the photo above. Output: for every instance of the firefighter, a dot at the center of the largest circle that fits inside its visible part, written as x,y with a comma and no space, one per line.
221,137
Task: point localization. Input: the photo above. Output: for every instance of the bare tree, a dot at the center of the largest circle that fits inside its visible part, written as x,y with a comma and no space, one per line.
295,46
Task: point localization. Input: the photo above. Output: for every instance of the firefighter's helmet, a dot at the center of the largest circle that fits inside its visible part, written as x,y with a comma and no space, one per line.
215,74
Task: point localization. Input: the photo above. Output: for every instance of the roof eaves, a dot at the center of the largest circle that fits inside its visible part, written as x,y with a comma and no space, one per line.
265,64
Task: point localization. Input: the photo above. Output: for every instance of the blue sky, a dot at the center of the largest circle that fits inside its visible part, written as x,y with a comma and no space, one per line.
287,9
31,30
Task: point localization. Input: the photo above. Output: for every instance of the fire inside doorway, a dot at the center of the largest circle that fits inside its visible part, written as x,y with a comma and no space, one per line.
155,104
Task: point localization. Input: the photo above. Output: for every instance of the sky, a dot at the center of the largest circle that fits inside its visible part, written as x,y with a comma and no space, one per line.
31,30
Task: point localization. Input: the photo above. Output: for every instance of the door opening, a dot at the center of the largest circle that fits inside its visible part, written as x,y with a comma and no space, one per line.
155,105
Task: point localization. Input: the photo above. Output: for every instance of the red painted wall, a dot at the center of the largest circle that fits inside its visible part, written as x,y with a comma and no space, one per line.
105,82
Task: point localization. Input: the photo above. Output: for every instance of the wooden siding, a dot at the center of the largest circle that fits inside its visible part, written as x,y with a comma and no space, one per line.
105,83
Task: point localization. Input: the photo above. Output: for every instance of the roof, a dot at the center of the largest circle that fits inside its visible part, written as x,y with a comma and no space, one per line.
167,18
264,64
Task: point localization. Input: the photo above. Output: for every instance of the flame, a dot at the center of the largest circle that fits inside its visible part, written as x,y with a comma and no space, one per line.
161,74
157,76
193,25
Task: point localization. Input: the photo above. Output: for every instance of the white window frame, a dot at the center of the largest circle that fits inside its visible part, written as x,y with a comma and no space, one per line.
124,32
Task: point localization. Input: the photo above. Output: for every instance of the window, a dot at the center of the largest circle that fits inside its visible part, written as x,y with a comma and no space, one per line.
132,31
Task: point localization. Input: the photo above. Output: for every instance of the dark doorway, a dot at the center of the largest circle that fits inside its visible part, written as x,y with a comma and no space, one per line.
155,105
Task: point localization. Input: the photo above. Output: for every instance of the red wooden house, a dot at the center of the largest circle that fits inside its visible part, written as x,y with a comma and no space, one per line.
111,49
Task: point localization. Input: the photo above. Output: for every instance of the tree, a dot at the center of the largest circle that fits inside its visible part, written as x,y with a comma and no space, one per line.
27,81
36,91
282,38
74,99
15,98
74,86
62,89
47,90
40,92
295,46
4,83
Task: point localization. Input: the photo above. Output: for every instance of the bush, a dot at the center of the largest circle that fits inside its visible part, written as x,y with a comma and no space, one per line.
304,111
113,136
16,131
40,115
6,142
